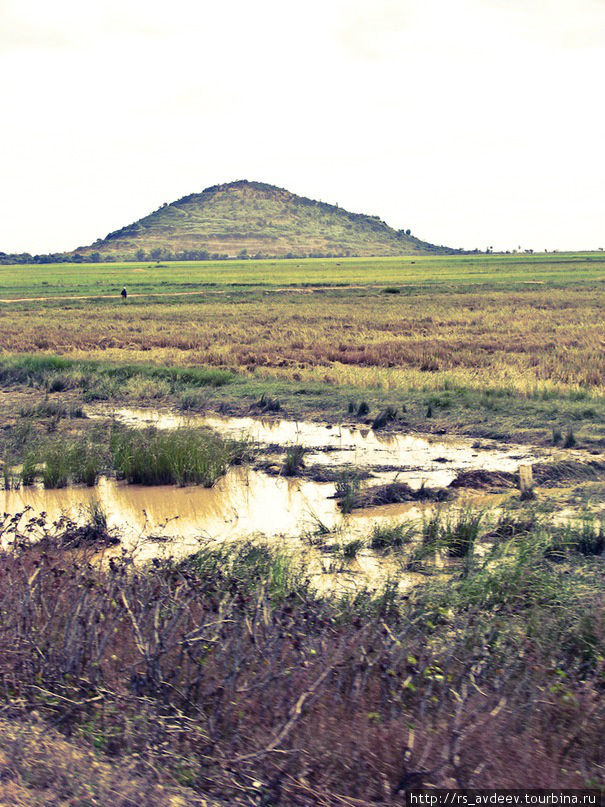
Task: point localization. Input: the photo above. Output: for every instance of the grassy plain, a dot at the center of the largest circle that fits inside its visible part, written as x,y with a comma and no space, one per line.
503,271
507,346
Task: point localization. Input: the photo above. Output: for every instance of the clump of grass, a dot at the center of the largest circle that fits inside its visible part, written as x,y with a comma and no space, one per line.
391,536
348,486
386,416
429,410
9,478
456,532
459,535
192,400
248,563
391,290
363,409
85,464
28,469
97,517
514,525
52,409
143,388
352,548
77,462
294,460
586,538
267,404
59,382
570,438
101,389
556,435
431,529
184,456
56,470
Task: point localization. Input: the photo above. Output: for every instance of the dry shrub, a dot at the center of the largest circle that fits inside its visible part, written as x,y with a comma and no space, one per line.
227,674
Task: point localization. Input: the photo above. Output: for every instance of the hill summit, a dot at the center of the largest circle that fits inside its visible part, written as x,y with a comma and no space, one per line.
253,219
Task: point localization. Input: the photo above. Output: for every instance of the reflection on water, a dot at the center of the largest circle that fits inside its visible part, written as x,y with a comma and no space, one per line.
410,458
248,504
243,503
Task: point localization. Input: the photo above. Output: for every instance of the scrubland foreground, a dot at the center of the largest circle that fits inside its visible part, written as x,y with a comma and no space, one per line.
225,678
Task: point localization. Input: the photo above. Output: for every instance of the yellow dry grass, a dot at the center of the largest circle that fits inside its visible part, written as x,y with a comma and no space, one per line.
539,339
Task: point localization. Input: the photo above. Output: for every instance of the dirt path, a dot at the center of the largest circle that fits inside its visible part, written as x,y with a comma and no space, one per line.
294,289
105,296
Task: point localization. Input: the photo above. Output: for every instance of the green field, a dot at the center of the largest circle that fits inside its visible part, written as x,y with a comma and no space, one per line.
496,271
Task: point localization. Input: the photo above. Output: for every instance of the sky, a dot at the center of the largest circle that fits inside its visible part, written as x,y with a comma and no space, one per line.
474,123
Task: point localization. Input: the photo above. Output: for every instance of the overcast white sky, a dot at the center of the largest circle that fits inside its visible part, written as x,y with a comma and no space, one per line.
473,122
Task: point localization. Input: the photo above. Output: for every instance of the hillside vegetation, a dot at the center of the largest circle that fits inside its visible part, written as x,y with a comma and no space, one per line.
257,220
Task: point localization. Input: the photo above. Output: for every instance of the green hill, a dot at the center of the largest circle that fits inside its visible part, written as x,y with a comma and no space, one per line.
257,220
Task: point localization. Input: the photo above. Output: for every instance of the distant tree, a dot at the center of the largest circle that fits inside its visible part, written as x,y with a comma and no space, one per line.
140,255
156,253
408,232
95,257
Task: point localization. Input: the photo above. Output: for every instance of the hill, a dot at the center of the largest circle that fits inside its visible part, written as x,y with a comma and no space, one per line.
253,219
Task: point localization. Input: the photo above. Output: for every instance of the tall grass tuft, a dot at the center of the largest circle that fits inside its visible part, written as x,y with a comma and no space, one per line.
391,536
386,416
56,470
248,563
585,537
9,478
28,469
348,486
459,534
294,460
78,462
570,439
184,456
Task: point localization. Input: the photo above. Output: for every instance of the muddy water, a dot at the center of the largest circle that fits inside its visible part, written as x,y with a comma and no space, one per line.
167,520
409,458
249,504
242,504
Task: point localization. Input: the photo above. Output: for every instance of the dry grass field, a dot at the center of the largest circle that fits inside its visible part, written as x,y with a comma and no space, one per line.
525,341
498,342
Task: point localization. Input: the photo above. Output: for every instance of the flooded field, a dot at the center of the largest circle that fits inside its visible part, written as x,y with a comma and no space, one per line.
249,503
409,458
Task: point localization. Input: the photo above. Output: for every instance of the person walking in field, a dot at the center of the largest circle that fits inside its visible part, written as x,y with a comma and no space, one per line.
123,293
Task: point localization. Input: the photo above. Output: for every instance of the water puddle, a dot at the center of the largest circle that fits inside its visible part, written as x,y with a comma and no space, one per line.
287,513
291,513
242,504
408,458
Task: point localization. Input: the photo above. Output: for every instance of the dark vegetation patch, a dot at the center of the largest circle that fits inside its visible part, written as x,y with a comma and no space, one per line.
101,380
266,404
546,474
183,456
550,473
393,493
386,537
480,479
386,416
317,472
